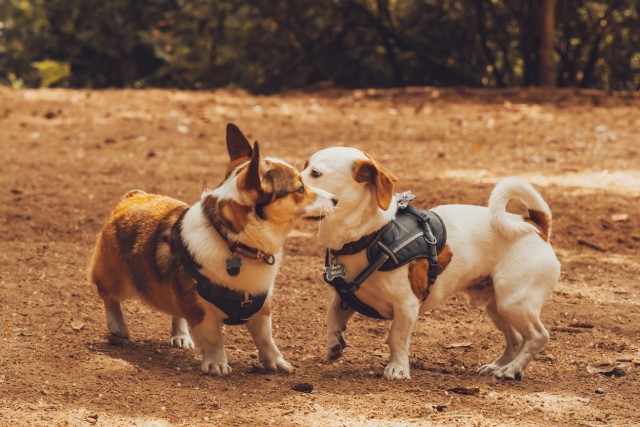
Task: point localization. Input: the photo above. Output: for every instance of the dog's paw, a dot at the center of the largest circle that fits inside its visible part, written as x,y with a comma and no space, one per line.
215,368
181,341
508,372
335,351
118,328
397,371
488,369
277,364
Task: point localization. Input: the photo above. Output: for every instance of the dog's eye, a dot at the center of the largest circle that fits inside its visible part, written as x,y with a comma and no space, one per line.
301,189
315,173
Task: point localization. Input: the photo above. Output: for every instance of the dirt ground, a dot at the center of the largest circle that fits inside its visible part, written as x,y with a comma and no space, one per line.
68,156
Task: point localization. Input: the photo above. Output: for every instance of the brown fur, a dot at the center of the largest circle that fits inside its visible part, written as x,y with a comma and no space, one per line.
541,221
134,257
371,172
419,270
231,215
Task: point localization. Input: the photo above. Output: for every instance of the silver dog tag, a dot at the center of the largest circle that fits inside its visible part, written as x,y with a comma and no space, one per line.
404,199
333,271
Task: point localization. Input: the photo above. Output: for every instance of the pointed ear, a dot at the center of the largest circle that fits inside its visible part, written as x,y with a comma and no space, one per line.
252,180
238,146
370,172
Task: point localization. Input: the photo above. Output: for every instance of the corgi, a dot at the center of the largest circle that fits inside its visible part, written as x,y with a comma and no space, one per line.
502,261
209,263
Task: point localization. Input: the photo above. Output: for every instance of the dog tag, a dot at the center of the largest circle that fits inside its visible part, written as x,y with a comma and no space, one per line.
404,199
233,266
334,271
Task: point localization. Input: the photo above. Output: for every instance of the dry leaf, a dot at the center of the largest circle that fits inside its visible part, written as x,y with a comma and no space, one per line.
459,345
467,391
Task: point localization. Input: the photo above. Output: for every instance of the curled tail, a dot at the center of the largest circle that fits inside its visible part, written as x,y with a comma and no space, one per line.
539,220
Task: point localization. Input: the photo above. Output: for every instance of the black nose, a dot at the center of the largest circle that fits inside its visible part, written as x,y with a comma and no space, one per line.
334,200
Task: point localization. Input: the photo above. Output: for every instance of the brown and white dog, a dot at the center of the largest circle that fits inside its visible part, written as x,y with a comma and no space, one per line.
141,249
501,260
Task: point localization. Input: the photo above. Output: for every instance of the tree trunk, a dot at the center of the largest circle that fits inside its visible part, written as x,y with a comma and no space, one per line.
546,67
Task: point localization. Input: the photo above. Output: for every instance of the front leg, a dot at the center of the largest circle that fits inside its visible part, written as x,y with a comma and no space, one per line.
208,336
404,317
337,318
259,327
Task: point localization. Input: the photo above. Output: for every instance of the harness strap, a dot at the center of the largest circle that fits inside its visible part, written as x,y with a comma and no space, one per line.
346,290
237,305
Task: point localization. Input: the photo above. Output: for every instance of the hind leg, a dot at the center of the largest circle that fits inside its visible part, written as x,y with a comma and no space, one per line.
180,336
512,337
535,337
519,307
115,320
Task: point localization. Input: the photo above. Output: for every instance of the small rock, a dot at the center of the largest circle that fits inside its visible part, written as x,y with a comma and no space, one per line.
77,326
303,387
599,390
183,129
620,217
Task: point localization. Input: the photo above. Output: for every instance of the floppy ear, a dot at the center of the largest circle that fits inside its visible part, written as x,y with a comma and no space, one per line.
238,146
252,180
370,172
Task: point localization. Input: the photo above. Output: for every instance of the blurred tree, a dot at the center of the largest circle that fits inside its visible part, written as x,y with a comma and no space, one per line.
272,45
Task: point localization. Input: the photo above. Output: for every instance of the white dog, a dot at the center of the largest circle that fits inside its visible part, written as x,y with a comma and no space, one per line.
501,260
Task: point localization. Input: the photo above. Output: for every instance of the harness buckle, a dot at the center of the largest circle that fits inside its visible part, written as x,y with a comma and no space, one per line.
247,300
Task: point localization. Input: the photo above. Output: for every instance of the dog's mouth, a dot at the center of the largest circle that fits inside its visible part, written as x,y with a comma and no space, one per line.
314,218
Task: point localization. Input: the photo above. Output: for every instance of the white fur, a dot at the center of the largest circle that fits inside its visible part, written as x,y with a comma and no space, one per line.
512,226
211,251
484,242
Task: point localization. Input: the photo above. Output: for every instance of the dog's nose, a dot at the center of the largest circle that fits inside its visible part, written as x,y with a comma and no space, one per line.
334,200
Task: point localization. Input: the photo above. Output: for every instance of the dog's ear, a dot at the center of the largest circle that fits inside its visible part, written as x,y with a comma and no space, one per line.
252,181
238,146
370,172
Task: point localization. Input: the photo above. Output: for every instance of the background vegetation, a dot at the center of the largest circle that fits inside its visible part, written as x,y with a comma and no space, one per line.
273,45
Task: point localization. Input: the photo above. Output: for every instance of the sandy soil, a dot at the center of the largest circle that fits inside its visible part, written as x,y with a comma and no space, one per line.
67,157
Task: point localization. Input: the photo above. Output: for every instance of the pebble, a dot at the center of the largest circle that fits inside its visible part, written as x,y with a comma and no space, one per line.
599,390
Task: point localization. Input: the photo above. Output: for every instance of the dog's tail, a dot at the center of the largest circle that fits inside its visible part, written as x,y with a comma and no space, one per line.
539,220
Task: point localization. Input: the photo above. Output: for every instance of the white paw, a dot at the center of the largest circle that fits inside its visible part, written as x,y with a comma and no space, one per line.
488,369
277,364
508,372
181,341
397,371
215,368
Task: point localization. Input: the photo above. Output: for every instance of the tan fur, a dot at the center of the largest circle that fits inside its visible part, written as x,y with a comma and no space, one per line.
419,271
371,172
143,244
133,258
541,221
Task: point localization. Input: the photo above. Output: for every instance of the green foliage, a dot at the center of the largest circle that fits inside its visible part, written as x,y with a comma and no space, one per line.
272,45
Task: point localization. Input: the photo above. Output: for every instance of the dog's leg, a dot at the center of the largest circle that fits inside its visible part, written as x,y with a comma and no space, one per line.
404,318
208,336
259,327
512,337
180,333
535,337
337,318
115,320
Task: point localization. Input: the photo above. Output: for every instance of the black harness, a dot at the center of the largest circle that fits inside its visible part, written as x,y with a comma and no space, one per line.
412,235
237,305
